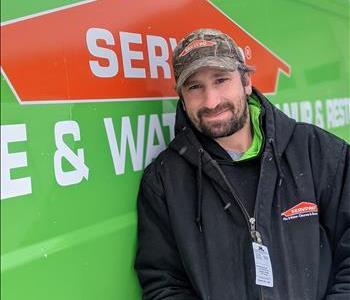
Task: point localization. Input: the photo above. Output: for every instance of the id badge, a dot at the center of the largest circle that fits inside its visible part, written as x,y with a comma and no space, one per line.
263,268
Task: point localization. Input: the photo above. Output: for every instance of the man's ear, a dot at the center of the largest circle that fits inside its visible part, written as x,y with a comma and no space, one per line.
248,84
183,103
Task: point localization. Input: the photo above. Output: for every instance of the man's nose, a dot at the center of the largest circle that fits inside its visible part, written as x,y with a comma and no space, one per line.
211,98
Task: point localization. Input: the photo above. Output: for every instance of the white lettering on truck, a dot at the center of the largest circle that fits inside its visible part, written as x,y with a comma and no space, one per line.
20,186
155,140
81,171
338,112
306,112
119,153
156,59
92,36
328,114
127,38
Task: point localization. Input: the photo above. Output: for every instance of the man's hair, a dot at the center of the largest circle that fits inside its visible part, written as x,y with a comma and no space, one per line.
245,70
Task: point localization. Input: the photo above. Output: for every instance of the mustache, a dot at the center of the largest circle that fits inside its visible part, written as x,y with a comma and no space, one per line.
205,111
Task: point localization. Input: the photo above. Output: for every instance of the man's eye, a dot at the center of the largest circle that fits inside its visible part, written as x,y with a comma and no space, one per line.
194,87
221,80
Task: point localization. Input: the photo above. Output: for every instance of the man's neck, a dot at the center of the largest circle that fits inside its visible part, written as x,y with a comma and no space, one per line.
240,141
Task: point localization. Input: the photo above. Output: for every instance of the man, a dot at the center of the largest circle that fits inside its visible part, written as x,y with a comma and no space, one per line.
245,203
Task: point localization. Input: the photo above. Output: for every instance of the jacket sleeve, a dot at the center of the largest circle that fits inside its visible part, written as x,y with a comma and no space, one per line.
158,263
339,215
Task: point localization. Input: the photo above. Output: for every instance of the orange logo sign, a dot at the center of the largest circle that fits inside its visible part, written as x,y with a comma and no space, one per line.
110,51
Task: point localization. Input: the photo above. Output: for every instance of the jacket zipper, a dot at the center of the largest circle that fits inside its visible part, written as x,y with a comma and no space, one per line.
251,221
256,236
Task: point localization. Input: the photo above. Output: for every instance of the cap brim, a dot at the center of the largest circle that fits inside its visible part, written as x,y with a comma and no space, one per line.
224,63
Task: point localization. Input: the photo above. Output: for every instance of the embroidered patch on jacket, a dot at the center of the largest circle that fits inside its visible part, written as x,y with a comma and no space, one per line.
301,210
196,44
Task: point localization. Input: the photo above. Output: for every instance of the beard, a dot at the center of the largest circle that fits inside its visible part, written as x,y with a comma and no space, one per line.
223,128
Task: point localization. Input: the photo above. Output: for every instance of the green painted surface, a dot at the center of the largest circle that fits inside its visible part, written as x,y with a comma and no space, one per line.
16,9
314,38
78,241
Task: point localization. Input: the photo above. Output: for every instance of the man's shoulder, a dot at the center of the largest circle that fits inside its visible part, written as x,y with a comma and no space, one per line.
316,132
316,139
304,132
166,161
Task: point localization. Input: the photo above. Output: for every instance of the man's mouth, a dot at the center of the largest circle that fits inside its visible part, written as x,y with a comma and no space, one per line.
215,114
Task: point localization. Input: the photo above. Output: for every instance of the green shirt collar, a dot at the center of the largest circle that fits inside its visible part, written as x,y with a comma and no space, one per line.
257,141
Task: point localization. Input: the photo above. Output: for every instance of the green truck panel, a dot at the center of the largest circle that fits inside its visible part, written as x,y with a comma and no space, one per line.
70,171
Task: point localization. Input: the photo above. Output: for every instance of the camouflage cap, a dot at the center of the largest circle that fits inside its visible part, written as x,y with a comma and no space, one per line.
204,48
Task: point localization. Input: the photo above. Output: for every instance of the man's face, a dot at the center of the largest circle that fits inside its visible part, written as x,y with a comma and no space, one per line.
216,101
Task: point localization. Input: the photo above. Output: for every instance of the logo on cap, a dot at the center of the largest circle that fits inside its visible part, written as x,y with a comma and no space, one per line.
196,44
